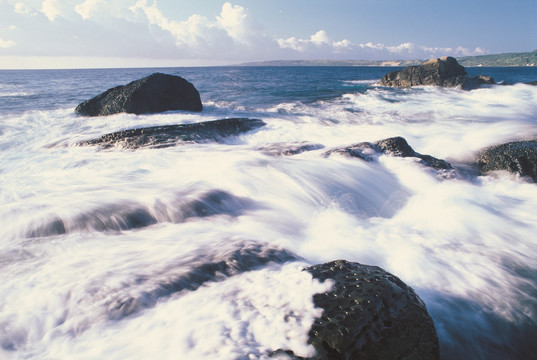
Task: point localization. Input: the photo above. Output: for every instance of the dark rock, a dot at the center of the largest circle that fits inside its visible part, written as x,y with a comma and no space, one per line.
370,314
152,94
445,71
517,157
171,135
534,83
395,146
288,149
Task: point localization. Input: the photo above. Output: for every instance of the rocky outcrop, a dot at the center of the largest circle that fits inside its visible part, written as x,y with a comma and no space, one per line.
517,157
445,71
171,135
152,94
395,146
370,314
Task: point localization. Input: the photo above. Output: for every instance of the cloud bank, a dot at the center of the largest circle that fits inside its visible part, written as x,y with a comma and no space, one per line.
140,29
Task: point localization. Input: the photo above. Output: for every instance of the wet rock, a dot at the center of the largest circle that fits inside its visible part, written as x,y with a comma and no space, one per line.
370,314
152,94
212,265
289,149
171,135
445,71
517,157
395,146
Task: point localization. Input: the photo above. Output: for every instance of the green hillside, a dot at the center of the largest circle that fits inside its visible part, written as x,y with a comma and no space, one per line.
497,60
510,59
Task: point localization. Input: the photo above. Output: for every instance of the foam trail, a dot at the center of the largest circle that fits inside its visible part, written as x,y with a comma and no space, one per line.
196,251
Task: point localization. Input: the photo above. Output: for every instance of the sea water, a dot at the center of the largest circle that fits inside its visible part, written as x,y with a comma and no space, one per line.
196,251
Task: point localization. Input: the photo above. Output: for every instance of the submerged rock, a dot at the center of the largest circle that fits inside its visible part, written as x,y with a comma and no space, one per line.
445,71
171,135
370,314
395,146
152,94
517,157
289,149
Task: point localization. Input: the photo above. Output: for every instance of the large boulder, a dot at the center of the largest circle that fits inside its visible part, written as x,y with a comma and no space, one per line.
517,157
171,135
445,71
370,314
152,94
395,146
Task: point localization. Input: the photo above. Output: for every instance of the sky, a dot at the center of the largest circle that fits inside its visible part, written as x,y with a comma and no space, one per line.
140,33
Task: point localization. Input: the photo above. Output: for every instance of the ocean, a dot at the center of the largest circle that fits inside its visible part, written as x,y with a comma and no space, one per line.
196,251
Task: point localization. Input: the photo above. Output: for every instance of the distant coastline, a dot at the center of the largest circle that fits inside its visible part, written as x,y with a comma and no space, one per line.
496,60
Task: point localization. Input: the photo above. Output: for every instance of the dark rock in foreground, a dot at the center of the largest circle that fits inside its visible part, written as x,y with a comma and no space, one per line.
517,157
395,146
152,94
171,135
370,314
445,71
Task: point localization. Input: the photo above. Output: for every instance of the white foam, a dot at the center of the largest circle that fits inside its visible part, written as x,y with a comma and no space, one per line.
470,240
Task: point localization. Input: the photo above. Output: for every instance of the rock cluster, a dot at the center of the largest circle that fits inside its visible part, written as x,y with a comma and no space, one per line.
152,94
370,314
445,71
395,146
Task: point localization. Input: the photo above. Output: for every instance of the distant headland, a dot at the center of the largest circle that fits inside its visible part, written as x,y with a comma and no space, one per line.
496,60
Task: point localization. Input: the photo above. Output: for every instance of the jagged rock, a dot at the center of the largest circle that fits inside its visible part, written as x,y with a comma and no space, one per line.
152,94
370,314
445,71
395,146
517,157
171,135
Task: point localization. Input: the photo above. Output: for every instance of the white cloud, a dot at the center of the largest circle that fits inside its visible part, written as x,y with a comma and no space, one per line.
410,50
23,9
88,8
318,40
139,28
191,32
231,34
52,9
4,44
232,19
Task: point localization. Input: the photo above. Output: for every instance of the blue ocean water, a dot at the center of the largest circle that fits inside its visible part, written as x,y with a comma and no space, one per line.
85,277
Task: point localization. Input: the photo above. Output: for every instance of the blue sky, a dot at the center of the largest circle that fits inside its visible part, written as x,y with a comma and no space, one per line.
122,33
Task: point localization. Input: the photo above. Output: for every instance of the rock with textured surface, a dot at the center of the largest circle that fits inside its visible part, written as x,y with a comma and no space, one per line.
370,314
445,71
152,94
395,146
517,157
171,135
